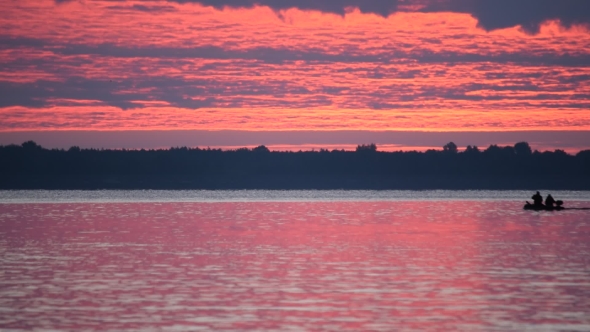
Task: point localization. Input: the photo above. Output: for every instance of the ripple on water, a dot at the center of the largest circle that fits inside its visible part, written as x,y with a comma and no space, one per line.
300,265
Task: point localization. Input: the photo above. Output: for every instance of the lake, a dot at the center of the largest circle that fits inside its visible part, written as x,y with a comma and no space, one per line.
292,260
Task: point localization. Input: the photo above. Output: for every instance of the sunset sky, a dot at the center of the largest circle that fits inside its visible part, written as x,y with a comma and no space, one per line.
286,73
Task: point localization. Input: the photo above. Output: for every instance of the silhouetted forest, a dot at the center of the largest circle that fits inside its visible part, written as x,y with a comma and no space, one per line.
29,166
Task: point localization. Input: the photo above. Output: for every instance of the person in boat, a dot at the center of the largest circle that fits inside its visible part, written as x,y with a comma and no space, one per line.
549,201
538,199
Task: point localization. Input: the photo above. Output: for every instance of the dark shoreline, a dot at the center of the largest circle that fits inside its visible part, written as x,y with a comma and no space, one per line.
270,182
30,166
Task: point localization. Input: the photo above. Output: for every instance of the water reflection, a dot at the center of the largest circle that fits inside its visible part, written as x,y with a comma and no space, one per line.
456,265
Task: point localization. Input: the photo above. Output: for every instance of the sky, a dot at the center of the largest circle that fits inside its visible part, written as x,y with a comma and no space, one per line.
295,73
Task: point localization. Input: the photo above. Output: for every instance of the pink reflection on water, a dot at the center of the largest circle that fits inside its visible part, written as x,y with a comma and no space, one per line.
293,265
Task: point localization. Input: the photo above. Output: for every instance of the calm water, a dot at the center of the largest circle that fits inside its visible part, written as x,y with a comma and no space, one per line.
252,260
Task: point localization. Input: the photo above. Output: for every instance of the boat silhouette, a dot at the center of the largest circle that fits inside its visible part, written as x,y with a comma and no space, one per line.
541,207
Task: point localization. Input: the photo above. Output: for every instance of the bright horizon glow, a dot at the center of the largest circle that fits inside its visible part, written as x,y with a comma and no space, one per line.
569,141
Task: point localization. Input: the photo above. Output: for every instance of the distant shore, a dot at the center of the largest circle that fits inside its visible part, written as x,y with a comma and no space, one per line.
29,166
276,182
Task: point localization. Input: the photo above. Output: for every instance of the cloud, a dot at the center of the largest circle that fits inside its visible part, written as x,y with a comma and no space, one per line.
236,92
40,93
380,7
491,14
143,8
566,60
529,14
281,55
278,55
133,93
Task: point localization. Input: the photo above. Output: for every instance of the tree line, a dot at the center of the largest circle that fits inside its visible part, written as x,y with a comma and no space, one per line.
32,166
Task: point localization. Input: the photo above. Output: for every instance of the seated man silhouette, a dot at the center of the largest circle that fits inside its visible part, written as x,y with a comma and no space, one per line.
549,201
537,199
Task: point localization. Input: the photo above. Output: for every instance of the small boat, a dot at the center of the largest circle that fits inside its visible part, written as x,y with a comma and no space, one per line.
558,207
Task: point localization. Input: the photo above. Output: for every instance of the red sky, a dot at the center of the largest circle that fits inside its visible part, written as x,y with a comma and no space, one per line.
404,66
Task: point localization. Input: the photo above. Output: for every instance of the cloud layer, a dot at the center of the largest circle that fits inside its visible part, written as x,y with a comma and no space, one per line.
491,14
440,65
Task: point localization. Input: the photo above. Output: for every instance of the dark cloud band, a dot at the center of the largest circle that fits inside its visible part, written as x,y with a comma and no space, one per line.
280,55
381,7
529,14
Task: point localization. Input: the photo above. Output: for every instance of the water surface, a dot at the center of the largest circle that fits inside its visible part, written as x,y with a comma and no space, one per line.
287,263
118,196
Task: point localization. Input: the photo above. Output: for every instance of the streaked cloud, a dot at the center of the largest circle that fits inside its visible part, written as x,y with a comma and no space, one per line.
317,65
490,14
